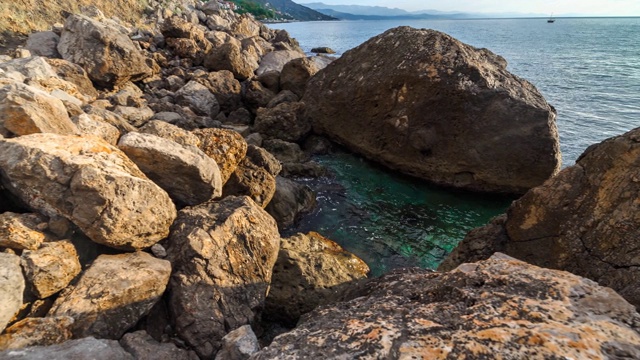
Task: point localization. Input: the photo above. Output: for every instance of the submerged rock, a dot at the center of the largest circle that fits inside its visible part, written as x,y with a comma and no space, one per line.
499,308
425,104
584,220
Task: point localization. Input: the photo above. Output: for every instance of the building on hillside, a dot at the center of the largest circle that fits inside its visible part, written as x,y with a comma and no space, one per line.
228,5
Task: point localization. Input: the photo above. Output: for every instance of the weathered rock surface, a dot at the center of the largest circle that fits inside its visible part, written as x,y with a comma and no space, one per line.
89,126
185,39
251,180
50,268
226,147
198,98
89,182
275,60
81,349
43,43
263,158
239,344
113,294
170,132
297,72
186,173
36,332
225,87
11,287
323,50
256,95
136,116
74,74
143,347
584,220
499,308
230,56
285,121
22,231
423,103
107,54
290,200
222,255
26,110
311,270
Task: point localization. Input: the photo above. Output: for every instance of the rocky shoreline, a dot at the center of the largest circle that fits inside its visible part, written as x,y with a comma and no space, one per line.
146,175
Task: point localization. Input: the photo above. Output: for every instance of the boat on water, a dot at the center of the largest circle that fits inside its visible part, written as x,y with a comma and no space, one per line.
551,19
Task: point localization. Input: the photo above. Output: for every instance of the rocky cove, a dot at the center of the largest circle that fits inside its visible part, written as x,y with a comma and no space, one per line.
147,174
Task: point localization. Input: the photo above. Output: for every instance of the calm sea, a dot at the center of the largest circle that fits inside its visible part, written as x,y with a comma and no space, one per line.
587,68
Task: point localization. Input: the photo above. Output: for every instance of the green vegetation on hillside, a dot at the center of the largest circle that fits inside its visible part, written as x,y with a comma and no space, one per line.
258,10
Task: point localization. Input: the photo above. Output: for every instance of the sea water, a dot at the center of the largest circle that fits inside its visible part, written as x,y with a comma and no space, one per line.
587,68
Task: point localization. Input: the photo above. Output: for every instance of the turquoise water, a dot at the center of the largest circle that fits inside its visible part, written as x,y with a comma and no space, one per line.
588,69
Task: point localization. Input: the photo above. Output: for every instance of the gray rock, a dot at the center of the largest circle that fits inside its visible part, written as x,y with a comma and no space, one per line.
240,116
285,152
109,117
167,116
254,139
198,98
290,201
297,72
43,43
275,60
11,287
81,349
185,172
283,96
239,344
143,347
134,116
50,268
113,294
263,158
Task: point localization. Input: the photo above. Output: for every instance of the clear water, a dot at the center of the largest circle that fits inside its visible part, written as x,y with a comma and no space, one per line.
587,68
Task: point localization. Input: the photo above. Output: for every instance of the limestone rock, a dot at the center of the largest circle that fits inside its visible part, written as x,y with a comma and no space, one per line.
32,69
290,201
238,344
89,182
256,95
11,287
285,121
113,294
423,103
89,126
499,308
143,347
246,26
81,349
198,98
230,56
107,54
109,117
43,43
297,72
186,40
222,255
226,147
170,132
22,231
240,116
26,110
251,180
225,87
74,74
186,173
275,60
36,332
134,115
583,220
263,158
271,80
50,268
285,152
311,270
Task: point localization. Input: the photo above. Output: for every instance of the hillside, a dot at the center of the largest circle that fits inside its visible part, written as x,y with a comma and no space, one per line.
295,11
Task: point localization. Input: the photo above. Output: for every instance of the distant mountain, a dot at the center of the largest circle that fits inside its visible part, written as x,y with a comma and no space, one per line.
359,9
294,11
347,16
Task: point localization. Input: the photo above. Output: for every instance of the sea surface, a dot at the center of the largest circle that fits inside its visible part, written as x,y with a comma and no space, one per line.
587,68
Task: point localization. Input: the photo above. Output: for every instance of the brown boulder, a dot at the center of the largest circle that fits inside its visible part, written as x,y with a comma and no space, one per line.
297,72
290,201
285,121
584,220
230,56
423,103
36,332
222,255
226,147
143,347
170,132
275,60
251,180
225,87
74,74
256,95
50,268
22,231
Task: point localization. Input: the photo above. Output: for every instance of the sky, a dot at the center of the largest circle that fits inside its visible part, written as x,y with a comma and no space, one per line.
558,7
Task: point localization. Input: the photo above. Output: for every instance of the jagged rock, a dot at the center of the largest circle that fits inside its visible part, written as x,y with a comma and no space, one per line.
239,344
283,41
297,72
284,96
12,286
28,69
198,98
323,50
113,294
240,116
245,26
499,308
222,255
50,268
133,115
186,40
251,180
43,43
583,220
285,152
290,201
311,270
275,60
36,332
89,182
317,145
128,95
185,172
226,147
254,139
22,231
230,56
81,349
74,74
308,169
257,45
143,347
89,126
170,132
255,95
169,117
423,103
263,158
225,87
271,80
109,117
107,54
26,110
286,121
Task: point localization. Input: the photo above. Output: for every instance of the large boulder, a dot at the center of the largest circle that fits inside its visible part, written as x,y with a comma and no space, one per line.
225,87
297,72
36,332
499,308
113,294
251,180
276,60
285,121
230,56
74,74
185,172
311,270
584,220
198,98
103,50
222,255
11,287
423,103
22,231
290,201
50,268
80,349
185,39
89,182
143,347
226,147
43,43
